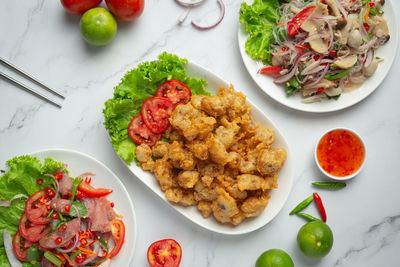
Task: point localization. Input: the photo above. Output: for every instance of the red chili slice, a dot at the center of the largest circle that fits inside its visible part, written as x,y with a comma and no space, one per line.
140,134
176,91
32,233
156,112
271,70
293,26
35,212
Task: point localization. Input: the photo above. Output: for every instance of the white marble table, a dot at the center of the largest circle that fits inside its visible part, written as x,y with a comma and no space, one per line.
42,39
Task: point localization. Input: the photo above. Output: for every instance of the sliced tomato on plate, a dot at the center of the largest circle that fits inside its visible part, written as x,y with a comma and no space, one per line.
293,26
164,253
32,233
35,211
271,70
90,191
176,91
118,234
156,112
140,134
20,246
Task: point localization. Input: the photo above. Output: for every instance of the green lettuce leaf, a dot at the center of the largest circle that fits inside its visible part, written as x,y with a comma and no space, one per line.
259,19
136,86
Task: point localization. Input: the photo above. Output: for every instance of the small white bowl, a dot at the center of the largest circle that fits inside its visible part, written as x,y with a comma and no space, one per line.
339,178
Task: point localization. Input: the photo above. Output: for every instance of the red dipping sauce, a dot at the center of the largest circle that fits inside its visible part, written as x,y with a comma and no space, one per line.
340,153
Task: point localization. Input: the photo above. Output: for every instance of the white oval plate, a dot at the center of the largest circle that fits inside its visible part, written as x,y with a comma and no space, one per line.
277,92
79,163
278,196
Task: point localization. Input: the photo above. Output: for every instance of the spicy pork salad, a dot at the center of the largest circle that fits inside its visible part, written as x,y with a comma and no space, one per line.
319,48
49,218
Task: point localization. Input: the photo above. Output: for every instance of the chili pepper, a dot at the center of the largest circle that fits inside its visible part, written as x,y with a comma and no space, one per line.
308,217
88,180
90,233
58,240
48,207
332,53
80,194
62,227
84,242
39,181
43,200
366,26
330,185
320,90
302,205
58,176
69,194
94,241
67,208
337,76
112,204
50,192
80,258
320,206
316,57
54,216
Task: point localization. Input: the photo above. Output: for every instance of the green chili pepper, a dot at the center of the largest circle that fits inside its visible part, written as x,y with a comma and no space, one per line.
73,255
330,185
337,76
308,217
302,205
53,258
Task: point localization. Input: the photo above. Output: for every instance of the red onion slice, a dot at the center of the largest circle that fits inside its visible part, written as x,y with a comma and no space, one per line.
317,81
189,4
222,6
341,8
73,246
77,212
369,58
9,250
83,175
57,184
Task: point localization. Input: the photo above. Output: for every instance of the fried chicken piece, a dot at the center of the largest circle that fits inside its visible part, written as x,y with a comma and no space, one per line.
160,149
148,165
217,151
226,136
172,135
238,218
203,192
143,153
196,101
199,148
250,182
188,198
254,206
224,207
187,179
205,208
271,160
263,136
181,158
235,192
249,163
163,173
174,195
271,181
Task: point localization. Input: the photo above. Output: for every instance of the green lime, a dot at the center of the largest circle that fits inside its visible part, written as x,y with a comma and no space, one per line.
274,258
98,26
315,239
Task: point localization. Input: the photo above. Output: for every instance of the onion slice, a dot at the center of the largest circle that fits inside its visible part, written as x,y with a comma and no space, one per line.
73,246
9,250
184,15
189,4
222,7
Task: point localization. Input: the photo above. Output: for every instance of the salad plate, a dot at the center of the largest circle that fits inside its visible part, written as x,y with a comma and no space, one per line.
278,196
277,92
79,163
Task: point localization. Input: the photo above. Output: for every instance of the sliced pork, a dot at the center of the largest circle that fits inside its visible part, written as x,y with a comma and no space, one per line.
65,184
58,204
72,229
100,213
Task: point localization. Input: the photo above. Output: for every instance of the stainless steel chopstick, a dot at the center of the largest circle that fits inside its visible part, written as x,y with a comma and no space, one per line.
32,78
11,79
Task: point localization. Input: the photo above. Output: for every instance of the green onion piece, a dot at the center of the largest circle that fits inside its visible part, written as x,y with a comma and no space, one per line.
75,183
330,185
73,255
337,76
53,258
103,242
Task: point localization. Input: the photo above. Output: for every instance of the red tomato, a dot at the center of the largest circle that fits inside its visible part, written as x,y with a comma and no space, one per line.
140,134
118,233
32,233
34,211
271,70
175,91
126,9
164,253
79,6
294,25
302,48
90,191
156,112
17,246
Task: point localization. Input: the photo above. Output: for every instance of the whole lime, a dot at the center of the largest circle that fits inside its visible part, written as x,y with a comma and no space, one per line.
274,258
315,239
98,26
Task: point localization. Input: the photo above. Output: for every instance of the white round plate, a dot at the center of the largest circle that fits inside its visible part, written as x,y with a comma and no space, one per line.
277,92
278,196
79,163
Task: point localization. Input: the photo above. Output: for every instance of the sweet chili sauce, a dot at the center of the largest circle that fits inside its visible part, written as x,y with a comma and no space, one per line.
340,153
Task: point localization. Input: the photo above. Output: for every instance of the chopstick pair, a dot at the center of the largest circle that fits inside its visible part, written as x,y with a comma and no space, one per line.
27,88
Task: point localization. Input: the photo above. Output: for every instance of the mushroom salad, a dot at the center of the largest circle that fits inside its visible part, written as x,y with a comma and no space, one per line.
326,47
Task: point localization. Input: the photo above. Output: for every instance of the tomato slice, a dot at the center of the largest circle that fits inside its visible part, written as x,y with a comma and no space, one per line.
164,253
156,112
293,26
140,134
176,91
118,234
32,233
271,70
19,248
90,191
35,211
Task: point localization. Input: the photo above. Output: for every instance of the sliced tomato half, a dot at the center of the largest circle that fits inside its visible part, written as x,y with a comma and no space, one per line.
156,112
118,234
90,191
293,26
176,91
20,246
140,134
271,70
35,211
32,233
164,253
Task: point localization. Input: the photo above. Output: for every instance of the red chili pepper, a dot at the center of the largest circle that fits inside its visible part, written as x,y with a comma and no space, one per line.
39,181
67,208
90,233
320,206
284,48
80,258
366,26
50,192
88,180
43,200
94,241
332,53
58,240
69,194
62,227
80,233
84,242
58,176
112,204
80,194
54,216
316,57
371,4
320,90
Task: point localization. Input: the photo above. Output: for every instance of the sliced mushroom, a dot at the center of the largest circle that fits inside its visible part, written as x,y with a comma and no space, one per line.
370,70
380,28
345,62
355,39
333,91
326,84
334,6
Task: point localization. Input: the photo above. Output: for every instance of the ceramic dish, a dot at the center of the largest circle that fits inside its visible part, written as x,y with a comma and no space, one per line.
346,100
79,163
278,196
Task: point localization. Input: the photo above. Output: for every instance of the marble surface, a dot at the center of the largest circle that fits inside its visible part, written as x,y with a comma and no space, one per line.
42,39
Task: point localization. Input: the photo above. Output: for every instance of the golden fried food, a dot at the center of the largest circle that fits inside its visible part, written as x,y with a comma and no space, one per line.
216,158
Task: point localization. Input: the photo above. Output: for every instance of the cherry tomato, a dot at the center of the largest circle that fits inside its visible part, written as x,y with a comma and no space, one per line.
118,234
140,134
32,233
271,70
156,112
79,6
164,253
126,9
175,91
36,213
17,247
293,26
90,191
